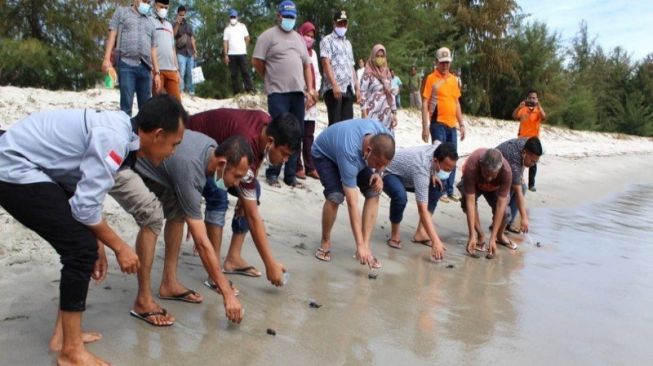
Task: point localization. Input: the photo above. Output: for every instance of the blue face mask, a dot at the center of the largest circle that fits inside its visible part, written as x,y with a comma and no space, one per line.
340,31
220,182
443,175
287,24
144,8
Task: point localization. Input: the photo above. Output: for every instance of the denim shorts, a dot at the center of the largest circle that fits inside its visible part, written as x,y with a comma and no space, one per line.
330,179
217,203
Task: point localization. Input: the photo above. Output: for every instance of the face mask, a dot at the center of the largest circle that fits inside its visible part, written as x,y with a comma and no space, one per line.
366,158
287,24
340,31
233,21
162,13
379,61
309,41
143,8
443,175
266,155
220,182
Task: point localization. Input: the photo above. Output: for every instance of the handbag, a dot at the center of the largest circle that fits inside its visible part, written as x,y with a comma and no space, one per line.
197,75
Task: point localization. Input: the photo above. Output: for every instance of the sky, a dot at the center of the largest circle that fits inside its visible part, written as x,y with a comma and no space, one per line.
628,24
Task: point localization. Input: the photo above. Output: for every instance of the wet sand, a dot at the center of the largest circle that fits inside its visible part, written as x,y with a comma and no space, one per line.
583,297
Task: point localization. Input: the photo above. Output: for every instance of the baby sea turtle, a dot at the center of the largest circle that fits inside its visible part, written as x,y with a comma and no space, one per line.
272,332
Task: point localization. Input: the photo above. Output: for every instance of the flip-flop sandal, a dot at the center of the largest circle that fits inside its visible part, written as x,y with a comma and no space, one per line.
273,182
394,243
426,242
215,287
182,297
145,317
510,244
511,229
249,271
323,254
296,184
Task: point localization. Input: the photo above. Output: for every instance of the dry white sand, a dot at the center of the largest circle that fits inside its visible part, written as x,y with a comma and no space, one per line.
563,147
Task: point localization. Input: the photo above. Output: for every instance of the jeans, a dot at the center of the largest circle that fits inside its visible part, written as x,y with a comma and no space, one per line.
186,64
217,203
278,104
238,63
307,144
398,101
394,188
443,133
339,109
513,204
44,208
134,79
531,176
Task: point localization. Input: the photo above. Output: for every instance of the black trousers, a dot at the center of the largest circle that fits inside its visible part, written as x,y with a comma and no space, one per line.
531,176
238,64
44,208
339,110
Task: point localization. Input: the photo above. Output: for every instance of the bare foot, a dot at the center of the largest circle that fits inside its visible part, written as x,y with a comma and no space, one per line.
159,319
80,357
56,342
170,290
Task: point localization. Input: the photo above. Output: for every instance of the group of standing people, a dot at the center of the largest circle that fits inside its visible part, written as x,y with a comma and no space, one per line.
56,167
151,55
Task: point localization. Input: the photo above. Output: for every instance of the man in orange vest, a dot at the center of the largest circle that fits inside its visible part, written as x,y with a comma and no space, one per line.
530,115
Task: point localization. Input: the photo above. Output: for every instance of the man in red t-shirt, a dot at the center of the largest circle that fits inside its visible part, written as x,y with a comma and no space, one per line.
530,115
273,140
486,173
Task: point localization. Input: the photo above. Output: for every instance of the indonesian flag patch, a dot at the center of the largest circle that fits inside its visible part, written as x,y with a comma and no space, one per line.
114,160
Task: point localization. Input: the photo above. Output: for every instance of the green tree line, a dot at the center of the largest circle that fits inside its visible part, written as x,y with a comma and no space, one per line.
499,53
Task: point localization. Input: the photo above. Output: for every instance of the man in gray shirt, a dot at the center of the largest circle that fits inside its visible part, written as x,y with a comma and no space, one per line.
167,56
178,183
420,169
137,63
281,58
520,153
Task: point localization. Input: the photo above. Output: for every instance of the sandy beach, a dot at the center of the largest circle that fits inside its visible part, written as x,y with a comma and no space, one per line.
415,312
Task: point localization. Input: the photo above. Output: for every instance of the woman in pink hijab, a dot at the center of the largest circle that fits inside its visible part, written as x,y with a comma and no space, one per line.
307,31
377,101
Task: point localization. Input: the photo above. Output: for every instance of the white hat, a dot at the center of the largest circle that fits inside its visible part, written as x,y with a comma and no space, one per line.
443,55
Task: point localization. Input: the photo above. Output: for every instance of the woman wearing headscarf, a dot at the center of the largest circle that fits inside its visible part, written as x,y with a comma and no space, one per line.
377,100
307,31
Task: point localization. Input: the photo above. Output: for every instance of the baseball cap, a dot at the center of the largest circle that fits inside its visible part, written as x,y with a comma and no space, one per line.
287,9
340,16
233,13
443,55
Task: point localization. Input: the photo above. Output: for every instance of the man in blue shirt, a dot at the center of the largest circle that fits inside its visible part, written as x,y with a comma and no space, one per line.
56,168
346,155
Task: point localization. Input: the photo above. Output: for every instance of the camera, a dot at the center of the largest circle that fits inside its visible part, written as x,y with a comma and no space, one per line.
530,104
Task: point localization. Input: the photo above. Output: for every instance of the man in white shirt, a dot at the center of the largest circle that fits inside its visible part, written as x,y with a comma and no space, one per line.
235,43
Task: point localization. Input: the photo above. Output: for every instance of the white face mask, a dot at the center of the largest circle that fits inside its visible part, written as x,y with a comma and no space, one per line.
233,21
162,13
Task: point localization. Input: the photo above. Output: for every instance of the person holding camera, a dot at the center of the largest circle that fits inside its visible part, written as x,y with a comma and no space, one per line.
530,115
186,50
